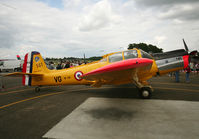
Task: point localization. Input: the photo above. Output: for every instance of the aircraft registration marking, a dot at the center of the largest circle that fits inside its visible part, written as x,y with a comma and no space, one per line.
58,79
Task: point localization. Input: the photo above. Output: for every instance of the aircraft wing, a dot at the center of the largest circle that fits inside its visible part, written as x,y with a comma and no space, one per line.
121,70
22,73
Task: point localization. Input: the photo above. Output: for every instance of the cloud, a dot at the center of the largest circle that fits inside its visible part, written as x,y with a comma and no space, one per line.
173,9
34,24
159,39
99,16
94,27
182,12
71,3
162,2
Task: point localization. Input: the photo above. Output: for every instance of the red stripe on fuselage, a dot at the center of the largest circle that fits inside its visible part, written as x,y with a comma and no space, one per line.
24,68
122,65
186,61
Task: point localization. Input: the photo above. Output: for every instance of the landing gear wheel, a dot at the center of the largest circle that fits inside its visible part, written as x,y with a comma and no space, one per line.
145,93
37,89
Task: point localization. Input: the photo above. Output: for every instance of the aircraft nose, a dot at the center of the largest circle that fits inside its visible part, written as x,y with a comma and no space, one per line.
186,61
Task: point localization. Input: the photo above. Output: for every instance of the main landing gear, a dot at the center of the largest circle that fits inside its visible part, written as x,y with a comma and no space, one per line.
145,90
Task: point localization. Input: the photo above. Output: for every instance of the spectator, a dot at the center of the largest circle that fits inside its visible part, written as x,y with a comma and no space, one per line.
51,66
79,63
187,70
58,67
177,76
67,65
191,65
197,68
170,74
63,65
71,65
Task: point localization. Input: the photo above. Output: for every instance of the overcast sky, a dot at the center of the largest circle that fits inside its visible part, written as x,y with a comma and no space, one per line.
63,28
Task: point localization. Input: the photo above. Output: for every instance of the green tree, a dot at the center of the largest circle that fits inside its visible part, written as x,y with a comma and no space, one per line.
94,58
146,47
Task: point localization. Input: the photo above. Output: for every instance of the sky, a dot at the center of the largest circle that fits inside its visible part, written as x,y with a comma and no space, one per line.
70,28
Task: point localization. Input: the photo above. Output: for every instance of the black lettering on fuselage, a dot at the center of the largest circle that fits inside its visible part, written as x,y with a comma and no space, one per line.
58,79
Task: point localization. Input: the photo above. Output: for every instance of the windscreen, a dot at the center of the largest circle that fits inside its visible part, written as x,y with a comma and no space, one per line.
130,54
115,57
103,59
145,54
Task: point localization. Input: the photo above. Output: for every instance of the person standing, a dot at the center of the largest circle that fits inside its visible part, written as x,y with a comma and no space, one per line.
187,70
59,66
51,66
177,76
67,65
197,68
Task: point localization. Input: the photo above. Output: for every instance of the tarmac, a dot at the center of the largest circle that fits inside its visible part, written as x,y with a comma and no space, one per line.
105,118
106,112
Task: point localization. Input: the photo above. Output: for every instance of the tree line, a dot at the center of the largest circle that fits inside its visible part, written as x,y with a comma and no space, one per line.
149,48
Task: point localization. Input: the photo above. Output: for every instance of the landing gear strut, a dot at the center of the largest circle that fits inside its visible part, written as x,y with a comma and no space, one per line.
145,90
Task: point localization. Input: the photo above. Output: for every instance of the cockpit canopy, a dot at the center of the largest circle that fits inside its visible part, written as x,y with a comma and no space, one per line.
130,54
119,56
145,54
115,57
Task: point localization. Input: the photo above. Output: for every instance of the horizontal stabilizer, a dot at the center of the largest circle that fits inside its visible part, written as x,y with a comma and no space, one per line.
22,73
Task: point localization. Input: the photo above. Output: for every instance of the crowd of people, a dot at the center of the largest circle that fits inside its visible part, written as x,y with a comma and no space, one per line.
64,65
193,67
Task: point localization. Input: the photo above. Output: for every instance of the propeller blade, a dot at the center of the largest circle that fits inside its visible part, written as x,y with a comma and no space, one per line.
185,45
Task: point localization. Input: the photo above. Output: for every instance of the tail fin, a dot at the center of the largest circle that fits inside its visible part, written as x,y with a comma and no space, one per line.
33,64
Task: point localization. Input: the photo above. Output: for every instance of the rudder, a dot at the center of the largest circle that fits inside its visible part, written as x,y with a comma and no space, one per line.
33,63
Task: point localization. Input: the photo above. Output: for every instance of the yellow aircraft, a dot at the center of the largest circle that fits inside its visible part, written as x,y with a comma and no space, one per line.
130,66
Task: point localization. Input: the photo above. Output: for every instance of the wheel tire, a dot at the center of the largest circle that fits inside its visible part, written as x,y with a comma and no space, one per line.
37,89
15,70
145,93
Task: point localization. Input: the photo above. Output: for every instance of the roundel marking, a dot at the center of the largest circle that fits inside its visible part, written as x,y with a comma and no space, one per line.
77,75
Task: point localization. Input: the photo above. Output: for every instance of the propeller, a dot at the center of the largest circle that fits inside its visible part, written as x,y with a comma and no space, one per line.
185,45
193,54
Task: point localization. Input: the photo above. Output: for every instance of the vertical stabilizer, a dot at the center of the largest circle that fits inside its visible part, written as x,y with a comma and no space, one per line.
33,63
